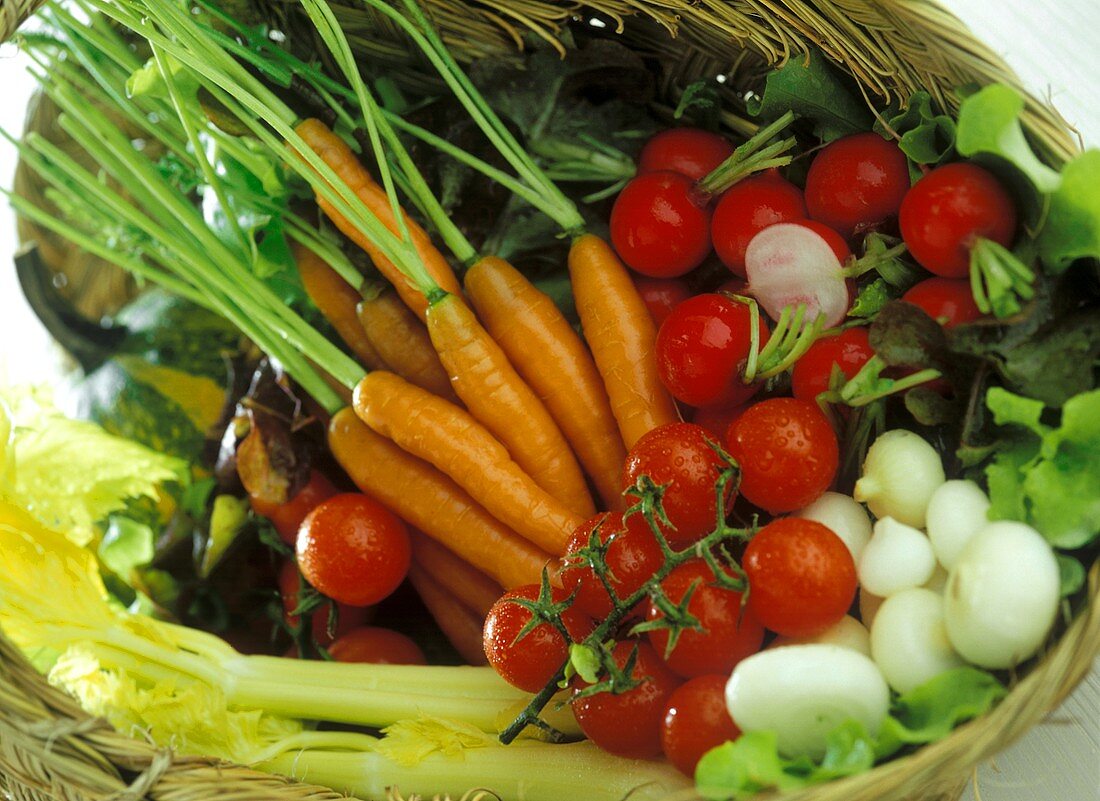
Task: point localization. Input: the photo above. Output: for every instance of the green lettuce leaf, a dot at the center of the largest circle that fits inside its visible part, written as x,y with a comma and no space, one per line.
809,88
71,474
1072,229
126,546
925,136
989,124
753,764
1047,476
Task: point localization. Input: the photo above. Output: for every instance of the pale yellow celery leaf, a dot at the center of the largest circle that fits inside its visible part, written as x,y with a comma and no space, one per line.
190,717
408,742
71,474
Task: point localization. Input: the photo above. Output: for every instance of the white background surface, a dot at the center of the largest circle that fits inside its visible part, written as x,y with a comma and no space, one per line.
1054,45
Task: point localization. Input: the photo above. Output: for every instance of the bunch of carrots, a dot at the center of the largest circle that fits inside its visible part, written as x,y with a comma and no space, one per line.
484,418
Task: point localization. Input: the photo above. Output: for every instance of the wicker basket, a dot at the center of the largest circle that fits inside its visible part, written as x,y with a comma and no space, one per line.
50,749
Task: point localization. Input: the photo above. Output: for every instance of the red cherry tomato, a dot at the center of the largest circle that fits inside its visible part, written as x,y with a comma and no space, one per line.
679,455
347,617
748,207
696,721
849,351
788,453
717,419
353,549
377,646
831,237
531,662
629,724
287,517
689,151
702,347
802,578
729,634
661,295
633,557
659,226
947,210
856,182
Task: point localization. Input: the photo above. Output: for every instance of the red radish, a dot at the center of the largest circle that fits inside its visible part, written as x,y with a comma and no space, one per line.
702,348
857,182
689,151
747,208
835,240
660,225
848,351
948,210
948,300
661,295
789,264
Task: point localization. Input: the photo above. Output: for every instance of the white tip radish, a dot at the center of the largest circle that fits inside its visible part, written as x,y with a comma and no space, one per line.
802,692
844,516
1002,595
956,512
847,633
900,474
787,265
897,558
908,640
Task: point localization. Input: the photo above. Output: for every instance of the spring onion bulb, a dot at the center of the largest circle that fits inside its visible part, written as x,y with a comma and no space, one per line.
908,640
900,474
897,558
956,512
844,517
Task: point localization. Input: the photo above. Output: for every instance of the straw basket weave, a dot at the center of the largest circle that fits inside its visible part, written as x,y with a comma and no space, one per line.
50,749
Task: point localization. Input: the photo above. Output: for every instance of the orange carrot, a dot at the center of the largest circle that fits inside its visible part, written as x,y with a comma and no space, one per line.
337,300
462,627
501,401
423,497
449,437
554,361
403,342
470,587
621,333
337,155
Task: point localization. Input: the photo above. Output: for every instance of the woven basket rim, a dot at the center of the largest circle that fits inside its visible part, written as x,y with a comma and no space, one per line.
936,771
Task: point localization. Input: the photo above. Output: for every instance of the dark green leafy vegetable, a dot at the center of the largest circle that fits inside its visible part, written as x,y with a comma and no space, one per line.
870,300
809,88
925,136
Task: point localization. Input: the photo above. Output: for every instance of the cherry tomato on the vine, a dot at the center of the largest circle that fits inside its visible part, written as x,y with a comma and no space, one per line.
660,226
347,617
661,295
857,182
377,646
848,351
788,453
353,549
802,578
696,721
632,557
531,662
729,634
628,724
287,517
747,207
946,212
680,455
689,151
701,350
